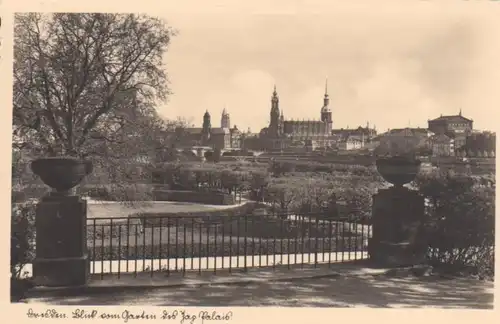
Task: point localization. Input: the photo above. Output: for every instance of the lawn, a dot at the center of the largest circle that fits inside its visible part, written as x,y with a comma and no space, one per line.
116,210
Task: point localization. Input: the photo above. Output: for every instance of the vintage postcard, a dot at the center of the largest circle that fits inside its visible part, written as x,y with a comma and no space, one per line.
195,162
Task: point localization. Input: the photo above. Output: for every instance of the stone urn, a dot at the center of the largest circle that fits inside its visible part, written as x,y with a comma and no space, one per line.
398,170
61,173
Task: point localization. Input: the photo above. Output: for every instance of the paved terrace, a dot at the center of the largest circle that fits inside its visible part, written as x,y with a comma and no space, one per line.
340,285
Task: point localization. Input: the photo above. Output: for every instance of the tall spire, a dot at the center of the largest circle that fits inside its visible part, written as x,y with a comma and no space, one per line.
275,93
460,112
326,87
326,100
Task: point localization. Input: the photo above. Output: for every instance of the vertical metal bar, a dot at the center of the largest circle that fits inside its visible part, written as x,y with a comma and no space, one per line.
349,237
199,247
356,241
309,226
337,248
267,252
184,250
274,246
215,248
330,229
260,243
119,248
128,241
245,217
237,241
94,246
136,249
176,243
343,239
223,247
230,243
303,233
281,238
297,237
152,246
160,253
192,243
323,239
289,227
111,245
144,243
253,240
316,242
168,246
208,246
102,251
362,240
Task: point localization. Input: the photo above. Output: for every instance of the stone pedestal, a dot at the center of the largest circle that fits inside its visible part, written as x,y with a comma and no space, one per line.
397,238
61,242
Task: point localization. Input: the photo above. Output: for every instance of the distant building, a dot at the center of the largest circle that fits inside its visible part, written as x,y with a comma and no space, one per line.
351,142
355,138
479,144
401,139
456,126
222,137
283,133
442,145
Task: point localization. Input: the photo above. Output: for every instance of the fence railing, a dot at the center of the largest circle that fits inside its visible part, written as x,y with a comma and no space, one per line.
180,244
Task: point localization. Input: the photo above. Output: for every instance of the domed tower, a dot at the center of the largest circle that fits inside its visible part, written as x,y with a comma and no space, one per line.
326,112
275,114
281,124
205,132
225,121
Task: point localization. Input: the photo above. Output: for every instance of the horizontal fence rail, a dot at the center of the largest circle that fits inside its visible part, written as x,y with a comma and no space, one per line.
180,244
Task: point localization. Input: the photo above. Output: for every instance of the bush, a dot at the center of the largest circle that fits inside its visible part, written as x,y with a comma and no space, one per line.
205,197
460,223
21,247
123,192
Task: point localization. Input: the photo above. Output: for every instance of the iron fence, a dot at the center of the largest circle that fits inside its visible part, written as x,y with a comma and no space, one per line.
180,244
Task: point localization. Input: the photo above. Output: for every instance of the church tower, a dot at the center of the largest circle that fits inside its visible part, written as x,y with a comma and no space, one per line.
275,114
225,121
326,112
206,130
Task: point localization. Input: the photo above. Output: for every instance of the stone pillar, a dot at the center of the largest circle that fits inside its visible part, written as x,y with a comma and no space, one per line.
61,241
397,216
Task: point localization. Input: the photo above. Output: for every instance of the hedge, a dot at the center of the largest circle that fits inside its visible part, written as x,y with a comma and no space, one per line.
255,247
218,215
201,197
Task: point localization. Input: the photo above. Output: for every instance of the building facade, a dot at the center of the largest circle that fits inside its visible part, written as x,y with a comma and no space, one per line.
282,133
442,145
479,144
456,127
223,137
404,140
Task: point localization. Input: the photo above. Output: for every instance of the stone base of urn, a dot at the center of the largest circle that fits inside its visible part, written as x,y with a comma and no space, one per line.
61,242
396,234
387,254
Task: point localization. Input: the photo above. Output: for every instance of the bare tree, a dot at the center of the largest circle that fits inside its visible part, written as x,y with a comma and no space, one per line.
87,81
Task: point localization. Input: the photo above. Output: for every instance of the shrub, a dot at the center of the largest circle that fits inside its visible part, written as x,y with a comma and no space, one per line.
21,247
460,222
210,198
118,192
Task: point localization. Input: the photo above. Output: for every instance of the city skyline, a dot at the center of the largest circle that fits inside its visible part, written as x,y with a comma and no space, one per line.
388,68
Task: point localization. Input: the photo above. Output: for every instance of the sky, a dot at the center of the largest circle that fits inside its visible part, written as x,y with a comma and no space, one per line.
396,67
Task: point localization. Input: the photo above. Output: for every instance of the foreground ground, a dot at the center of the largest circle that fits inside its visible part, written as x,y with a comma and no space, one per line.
365,290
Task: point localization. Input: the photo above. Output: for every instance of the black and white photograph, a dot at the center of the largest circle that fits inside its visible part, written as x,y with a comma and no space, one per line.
285,155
